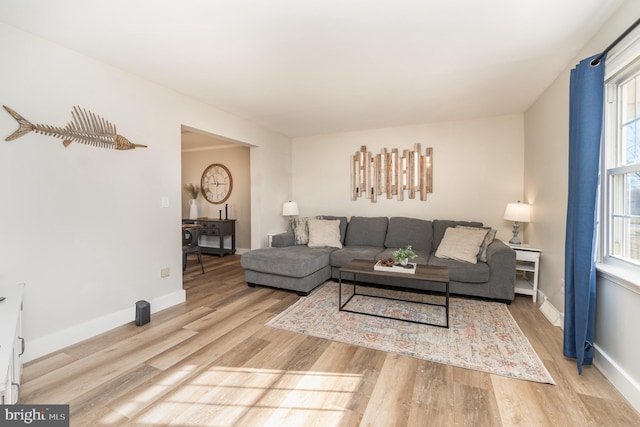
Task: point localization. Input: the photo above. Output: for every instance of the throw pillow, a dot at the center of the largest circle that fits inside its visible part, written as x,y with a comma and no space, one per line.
488,239
324,233
300,230
343,224
461,244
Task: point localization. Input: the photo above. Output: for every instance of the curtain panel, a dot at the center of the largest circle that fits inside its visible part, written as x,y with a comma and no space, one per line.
586,109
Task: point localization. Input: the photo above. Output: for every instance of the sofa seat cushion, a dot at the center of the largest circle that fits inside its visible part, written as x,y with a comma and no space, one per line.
340,257
410,231
463,271
292,261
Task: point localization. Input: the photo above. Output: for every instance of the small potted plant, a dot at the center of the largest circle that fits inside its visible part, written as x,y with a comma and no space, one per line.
403,255
192,190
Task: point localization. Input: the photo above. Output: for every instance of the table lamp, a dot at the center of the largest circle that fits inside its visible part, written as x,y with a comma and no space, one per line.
290,209
517,212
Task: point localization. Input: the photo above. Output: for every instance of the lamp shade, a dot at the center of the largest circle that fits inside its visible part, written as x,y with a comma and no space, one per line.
289,209
518,212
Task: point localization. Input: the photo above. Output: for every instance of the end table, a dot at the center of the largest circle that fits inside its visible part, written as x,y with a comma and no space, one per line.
528,263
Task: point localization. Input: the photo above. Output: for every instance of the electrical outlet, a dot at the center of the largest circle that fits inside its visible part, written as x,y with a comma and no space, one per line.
164,272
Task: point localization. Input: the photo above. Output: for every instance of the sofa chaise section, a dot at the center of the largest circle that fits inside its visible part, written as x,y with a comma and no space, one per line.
297,268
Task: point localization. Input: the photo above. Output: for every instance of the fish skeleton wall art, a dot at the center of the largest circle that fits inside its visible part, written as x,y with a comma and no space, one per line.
85,128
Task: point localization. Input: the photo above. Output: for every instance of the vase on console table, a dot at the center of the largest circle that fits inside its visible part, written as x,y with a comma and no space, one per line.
193,209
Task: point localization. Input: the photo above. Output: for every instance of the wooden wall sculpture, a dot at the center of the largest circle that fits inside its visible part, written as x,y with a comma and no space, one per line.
85,128
390,173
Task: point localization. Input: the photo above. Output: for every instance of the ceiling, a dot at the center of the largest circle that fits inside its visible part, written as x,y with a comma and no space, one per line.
323,66
197,140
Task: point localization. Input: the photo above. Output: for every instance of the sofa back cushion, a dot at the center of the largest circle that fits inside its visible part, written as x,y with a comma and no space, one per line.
366,231
343,225
404,231
440,226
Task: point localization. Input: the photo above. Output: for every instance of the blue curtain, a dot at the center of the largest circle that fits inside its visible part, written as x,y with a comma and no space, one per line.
585,133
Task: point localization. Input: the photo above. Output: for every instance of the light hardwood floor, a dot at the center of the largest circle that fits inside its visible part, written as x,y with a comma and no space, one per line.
211,361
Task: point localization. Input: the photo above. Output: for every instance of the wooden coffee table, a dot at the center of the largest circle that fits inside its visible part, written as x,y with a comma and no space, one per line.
424,273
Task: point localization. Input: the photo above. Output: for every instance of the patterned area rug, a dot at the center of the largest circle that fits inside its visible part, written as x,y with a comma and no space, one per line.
482,335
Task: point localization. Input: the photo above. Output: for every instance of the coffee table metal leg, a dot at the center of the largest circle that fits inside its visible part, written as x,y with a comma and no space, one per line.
340,291
447,304
340,304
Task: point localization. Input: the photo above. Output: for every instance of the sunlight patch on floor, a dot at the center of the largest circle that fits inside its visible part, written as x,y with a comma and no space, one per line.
154,391
248,396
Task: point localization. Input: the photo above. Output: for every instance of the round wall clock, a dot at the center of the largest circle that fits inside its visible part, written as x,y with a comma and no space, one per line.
216,183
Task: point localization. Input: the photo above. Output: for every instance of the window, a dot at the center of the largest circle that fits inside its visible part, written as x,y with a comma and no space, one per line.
621,175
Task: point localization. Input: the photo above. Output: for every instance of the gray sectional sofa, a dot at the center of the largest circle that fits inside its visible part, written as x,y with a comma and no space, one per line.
301,268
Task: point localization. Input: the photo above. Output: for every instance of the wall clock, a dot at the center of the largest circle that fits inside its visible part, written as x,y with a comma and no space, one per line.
216,183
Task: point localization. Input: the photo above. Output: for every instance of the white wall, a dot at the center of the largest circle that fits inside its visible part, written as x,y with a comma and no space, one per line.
617,346
83,227
478,169
546,178
269,191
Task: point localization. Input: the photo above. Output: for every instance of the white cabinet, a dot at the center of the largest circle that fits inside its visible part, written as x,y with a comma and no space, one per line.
11,343
527,267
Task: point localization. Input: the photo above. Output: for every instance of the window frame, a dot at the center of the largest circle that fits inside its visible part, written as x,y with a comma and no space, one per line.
622,64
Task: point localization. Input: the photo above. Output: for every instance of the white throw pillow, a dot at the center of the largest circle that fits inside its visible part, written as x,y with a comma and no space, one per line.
488,239
324,233
461,244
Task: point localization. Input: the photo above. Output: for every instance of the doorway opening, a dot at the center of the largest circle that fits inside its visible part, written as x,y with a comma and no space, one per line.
200,150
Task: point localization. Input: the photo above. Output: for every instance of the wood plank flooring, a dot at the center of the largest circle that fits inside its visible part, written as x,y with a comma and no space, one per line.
212,362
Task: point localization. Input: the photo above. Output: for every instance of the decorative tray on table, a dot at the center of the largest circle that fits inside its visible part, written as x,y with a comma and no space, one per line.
410,268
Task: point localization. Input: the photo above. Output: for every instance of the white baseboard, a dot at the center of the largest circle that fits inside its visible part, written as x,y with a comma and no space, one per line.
625,384
553,315
66,337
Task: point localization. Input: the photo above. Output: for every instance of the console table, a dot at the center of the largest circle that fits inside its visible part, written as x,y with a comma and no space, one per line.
218,228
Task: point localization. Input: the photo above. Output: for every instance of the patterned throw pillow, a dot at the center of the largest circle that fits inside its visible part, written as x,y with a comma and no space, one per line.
301,229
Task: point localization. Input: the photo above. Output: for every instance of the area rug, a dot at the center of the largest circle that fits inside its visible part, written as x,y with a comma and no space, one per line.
482,336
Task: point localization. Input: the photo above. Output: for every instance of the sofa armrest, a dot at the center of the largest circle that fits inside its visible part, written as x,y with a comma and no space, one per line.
501,257
283,239
502,264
